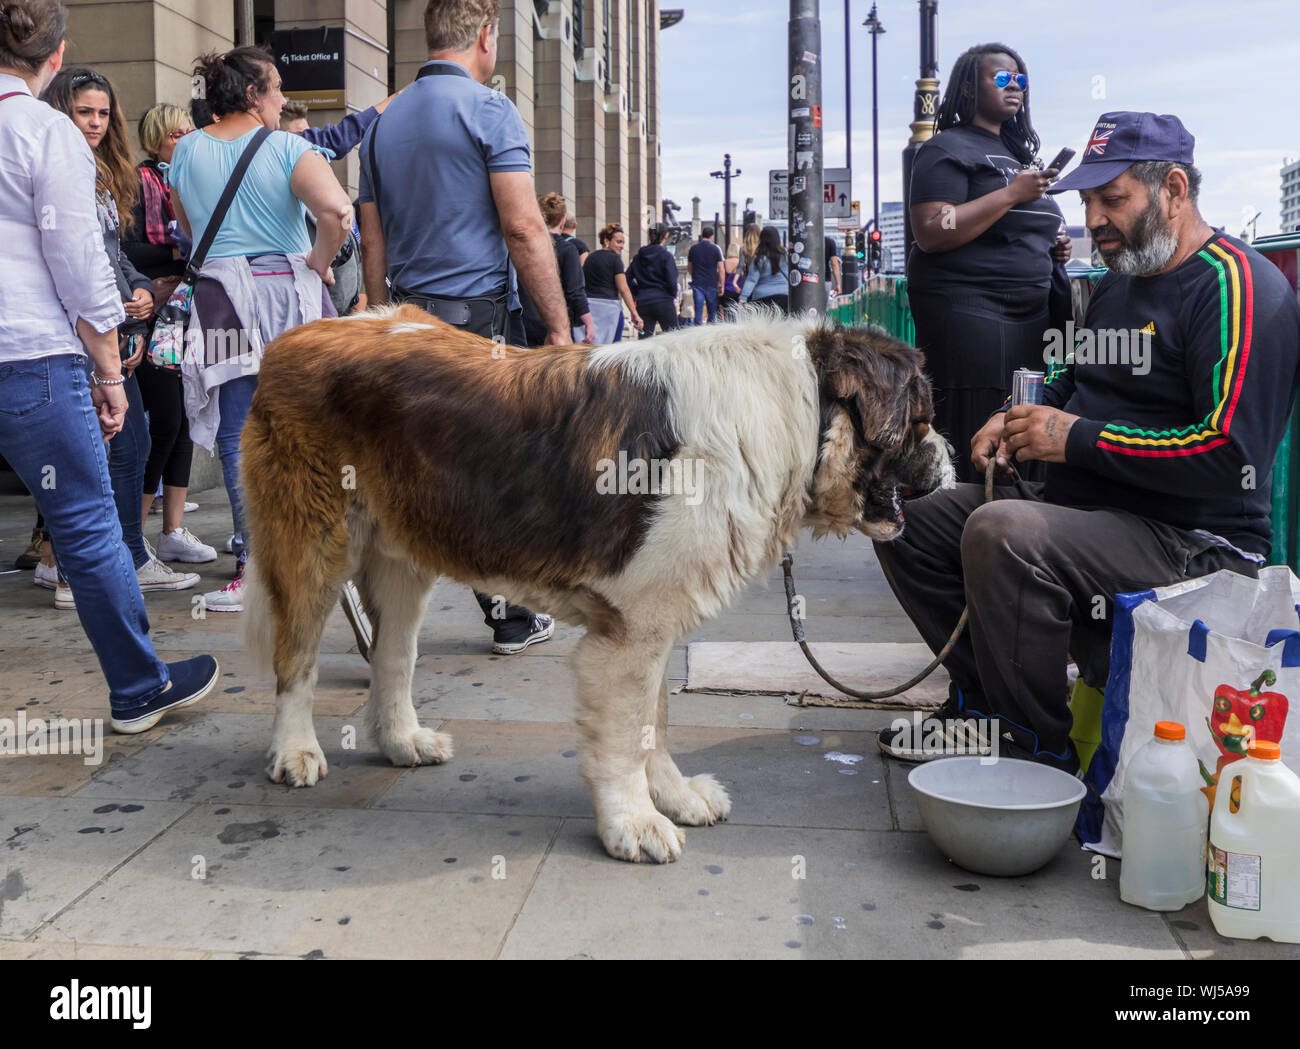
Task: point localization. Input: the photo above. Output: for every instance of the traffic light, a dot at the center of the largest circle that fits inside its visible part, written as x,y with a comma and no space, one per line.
874,258
860,245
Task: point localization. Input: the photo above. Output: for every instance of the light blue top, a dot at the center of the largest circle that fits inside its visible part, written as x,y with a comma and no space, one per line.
762,283
265,216
438,143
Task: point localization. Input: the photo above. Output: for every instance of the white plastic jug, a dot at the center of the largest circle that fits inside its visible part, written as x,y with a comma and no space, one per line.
1165,816
1253,866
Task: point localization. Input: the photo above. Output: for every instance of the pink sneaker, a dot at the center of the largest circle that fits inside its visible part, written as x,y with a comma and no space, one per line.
230,598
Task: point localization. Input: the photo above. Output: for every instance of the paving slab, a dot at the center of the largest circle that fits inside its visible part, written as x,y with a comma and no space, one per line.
222,758
54,850
313,884
735,893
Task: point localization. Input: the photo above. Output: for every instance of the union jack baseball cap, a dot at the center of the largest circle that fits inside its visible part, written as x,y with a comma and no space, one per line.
1120,140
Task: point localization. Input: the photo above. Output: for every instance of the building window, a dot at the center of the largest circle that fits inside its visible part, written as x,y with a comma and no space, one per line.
541,6
579,29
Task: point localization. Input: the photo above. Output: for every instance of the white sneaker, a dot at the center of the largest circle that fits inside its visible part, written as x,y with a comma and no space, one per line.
157,576
63,598
157,507
181,545
190,507
230,598
46,576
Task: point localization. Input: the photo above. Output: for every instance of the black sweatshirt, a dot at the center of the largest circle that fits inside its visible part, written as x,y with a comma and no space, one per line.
1190,442
652,275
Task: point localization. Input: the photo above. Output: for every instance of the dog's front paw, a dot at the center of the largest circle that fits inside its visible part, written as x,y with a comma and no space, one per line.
696,802
645,837
297,766
421,747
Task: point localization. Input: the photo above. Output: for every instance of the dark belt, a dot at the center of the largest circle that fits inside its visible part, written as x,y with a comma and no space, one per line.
485,315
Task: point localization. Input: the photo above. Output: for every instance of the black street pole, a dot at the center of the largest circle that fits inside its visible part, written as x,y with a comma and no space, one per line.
806,244
875,29
726,174
925,109
848,94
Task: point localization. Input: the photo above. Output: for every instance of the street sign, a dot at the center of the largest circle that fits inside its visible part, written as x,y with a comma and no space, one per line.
837,189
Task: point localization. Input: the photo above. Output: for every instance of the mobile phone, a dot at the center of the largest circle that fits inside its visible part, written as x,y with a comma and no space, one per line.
1061,159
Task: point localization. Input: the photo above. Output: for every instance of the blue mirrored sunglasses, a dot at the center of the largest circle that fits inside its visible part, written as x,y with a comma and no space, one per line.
1004,78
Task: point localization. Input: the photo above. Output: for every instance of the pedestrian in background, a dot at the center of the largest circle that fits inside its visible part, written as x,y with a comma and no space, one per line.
571,235
59,305
568,260
730,281
768,280
89,99
151,247
980,270
444,234
262,275
607,284
704,267
652,278
337,139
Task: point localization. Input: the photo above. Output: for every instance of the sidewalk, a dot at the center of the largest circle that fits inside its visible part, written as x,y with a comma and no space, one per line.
494,854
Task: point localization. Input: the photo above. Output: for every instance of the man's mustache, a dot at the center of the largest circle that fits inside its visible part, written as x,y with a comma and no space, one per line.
1108,233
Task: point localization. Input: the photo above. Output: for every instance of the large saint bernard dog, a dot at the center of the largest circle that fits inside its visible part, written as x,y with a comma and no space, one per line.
631,490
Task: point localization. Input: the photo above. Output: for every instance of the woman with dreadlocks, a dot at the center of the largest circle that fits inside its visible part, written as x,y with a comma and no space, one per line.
986,239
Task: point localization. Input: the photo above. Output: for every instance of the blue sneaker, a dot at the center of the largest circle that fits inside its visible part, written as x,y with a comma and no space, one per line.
191,680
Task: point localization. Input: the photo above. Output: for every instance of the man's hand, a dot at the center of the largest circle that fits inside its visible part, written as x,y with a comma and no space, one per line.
987,442
110,408
1061,249
589,330
637,322
1034,431
139,305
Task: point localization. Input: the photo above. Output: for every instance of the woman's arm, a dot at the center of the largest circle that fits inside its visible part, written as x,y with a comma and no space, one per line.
942,226
625,293
314,184
751,279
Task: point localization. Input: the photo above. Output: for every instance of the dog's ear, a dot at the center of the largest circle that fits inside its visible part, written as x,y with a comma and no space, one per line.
876,378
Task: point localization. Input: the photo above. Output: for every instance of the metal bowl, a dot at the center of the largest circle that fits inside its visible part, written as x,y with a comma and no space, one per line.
1005,817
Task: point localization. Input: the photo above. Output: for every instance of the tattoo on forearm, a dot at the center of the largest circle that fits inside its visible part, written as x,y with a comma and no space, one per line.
1050,428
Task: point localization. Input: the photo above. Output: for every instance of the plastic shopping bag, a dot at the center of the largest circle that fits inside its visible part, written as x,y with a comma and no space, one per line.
1221,655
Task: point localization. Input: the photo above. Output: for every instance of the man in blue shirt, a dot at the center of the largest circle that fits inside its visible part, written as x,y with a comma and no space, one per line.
705,268
447,204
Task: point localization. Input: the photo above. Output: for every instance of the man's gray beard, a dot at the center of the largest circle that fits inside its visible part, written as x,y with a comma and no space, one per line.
1150,248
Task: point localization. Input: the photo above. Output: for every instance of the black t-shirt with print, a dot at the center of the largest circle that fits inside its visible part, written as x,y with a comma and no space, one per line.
963,164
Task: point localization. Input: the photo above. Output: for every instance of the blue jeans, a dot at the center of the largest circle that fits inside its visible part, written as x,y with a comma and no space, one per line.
128,452
49,435
705,295
235,398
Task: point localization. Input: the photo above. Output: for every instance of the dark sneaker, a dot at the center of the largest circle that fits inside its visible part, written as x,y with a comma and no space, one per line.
350,602
945,733
191,680
540,628
31,557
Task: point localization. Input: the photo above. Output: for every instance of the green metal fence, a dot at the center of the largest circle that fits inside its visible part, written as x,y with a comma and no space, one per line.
883,301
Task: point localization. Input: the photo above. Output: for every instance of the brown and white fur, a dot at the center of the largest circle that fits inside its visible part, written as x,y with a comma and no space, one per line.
478,463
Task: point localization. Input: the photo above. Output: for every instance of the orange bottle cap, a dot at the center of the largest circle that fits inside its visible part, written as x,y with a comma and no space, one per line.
1170,730
1265,749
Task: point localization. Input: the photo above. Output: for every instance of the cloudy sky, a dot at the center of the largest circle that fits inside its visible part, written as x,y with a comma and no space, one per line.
1230,69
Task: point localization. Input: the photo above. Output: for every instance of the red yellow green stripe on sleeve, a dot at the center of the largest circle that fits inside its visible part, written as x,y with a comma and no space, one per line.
1236,311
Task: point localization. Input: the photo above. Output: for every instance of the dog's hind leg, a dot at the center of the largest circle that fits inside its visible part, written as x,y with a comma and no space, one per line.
618,682
695,802
398,592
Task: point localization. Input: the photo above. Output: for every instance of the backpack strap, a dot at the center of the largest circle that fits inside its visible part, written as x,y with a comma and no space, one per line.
200,253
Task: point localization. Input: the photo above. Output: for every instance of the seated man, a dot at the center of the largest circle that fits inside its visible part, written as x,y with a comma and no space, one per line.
1159,458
